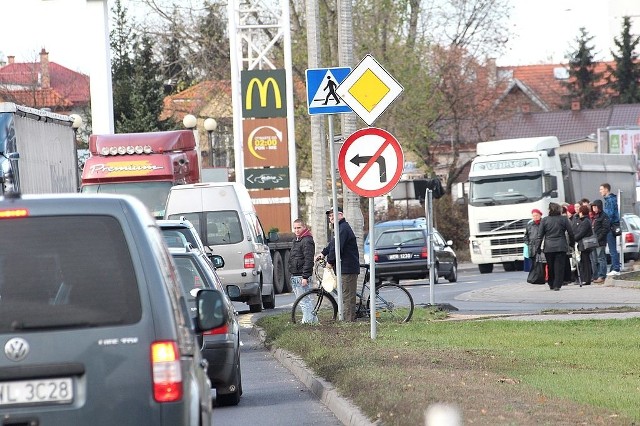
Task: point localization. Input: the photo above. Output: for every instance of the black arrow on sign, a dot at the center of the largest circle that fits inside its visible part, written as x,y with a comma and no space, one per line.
382,164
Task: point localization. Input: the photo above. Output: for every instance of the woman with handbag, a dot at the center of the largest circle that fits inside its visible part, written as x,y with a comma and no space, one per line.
532,237
582,231
554,230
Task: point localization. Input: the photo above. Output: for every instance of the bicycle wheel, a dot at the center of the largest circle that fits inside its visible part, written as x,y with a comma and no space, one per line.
321,308
394,303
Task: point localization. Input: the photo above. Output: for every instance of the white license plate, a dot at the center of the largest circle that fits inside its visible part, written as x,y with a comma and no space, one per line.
36,391
400,256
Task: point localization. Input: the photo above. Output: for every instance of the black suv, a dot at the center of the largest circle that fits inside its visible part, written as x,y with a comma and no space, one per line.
92,311
403,254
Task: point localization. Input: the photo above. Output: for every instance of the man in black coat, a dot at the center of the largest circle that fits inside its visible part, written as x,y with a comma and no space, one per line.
601,228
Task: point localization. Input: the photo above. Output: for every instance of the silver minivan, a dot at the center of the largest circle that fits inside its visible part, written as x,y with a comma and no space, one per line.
226,220
94,327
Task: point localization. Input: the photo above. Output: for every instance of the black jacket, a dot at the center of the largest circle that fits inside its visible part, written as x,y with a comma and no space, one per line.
600,224
582,228
554,230
532,237
350,259
301,256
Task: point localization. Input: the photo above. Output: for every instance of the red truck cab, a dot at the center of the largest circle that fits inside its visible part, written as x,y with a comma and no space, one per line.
145,165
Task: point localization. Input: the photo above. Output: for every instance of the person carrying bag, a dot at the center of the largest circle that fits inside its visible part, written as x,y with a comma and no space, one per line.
586,241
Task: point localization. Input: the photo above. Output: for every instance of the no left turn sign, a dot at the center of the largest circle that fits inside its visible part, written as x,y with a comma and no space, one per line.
371,162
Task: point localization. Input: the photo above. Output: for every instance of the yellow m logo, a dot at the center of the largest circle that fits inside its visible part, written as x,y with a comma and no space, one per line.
262,89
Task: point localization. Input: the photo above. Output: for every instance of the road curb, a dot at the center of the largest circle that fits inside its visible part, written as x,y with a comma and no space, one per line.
348,413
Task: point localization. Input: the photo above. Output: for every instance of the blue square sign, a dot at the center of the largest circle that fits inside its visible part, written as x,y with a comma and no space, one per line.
321,90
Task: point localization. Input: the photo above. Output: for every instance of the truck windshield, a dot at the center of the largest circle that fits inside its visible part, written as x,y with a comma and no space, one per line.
152,194
501,190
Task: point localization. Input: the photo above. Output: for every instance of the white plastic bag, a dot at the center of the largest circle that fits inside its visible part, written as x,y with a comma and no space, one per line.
329,281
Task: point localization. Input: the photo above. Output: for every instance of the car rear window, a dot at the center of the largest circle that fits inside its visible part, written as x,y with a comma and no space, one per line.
223,227
401,238
62,272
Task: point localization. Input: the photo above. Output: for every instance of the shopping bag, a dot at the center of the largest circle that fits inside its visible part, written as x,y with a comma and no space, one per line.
537,273
329,281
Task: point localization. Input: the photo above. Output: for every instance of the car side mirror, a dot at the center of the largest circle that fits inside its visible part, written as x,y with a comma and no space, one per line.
450,243
273,236
217,260
212,310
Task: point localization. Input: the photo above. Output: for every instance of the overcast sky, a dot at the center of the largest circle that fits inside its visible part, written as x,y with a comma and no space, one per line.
544,30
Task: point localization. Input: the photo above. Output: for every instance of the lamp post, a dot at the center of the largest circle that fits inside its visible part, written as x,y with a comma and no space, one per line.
210,125
77,122
190,121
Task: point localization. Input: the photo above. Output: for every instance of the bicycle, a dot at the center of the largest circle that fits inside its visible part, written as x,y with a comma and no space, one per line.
394,303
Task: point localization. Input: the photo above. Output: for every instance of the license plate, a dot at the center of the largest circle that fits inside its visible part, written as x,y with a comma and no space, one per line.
36,391
400,256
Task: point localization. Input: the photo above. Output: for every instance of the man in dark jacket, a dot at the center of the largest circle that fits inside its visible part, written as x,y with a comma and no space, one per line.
301,267
601,229
554,230
349,262
610,208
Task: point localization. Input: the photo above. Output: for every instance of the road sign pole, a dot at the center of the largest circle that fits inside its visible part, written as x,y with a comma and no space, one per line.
372,270
432,263
336,228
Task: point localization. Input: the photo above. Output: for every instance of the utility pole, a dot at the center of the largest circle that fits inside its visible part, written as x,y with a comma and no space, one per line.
317,218
351,201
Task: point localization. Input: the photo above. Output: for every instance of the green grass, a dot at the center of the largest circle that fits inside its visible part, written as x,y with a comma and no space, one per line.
523,372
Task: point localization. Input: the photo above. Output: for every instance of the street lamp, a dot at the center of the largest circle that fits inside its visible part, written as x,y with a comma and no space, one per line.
210,126
190,121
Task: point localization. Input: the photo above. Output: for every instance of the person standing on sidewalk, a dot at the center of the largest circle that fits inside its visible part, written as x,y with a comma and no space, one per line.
554,231
601,228
349,262
532,236
611,209
301,267
582,229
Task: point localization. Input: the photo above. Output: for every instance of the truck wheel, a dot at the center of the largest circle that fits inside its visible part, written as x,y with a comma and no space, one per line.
278,272
287,274
509,266
486,268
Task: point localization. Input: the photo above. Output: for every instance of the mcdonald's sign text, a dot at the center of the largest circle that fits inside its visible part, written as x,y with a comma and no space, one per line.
264,93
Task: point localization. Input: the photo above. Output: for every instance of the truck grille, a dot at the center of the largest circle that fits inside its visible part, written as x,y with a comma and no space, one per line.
507,241
507,251
501,225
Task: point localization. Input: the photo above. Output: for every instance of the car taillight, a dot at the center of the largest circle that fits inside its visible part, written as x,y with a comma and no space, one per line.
424,253
629,238
13,213
375,256
249,261
167,373
220,330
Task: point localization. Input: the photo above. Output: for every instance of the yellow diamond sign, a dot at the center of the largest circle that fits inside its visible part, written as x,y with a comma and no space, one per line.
369,89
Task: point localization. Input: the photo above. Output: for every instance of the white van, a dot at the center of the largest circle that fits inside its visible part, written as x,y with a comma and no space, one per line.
226,220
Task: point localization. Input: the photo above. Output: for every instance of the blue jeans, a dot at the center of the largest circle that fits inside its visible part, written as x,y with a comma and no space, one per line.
601,257
613,251
306,304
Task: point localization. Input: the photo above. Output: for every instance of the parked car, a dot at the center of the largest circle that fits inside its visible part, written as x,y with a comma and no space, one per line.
403,254
91,310
220,346
420,222
630,225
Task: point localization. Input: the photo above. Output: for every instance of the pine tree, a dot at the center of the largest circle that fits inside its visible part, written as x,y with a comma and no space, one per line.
625,77
136,77
583,80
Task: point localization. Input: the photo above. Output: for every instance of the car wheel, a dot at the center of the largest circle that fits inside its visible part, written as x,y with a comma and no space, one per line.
269,302
436,273
256,307
278,273
453,275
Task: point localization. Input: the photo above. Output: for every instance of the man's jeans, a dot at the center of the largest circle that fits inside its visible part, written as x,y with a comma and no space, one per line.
306,304
602,262
613,251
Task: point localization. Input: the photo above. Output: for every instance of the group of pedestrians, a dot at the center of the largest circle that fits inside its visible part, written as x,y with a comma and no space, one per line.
563,237
302,257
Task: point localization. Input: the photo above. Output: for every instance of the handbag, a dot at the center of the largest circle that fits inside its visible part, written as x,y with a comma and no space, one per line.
329,281
615,229
588,243
537,275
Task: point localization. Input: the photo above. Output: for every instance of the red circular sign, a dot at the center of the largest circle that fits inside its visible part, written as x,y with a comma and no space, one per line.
371,162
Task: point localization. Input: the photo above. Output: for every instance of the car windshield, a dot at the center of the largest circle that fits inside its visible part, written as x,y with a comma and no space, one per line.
153,194
66,272
505,189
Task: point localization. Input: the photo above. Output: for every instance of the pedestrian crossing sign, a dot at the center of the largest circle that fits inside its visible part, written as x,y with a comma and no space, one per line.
321,90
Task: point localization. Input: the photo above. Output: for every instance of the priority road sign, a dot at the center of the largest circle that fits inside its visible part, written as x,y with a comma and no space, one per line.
371,162
321,90
369,89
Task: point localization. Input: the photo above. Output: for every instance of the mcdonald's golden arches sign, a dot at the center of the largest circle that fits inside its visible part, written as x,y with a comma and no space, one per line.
264,93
